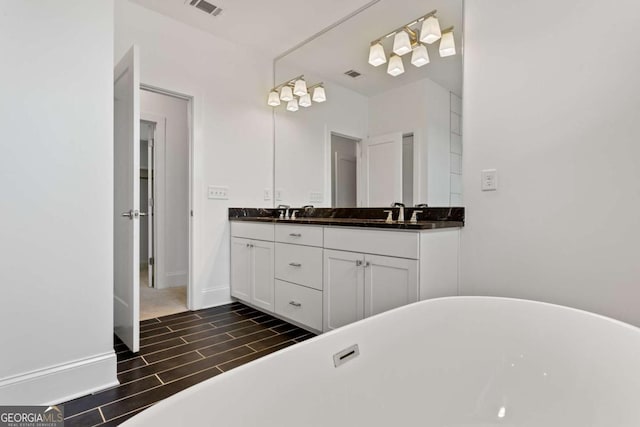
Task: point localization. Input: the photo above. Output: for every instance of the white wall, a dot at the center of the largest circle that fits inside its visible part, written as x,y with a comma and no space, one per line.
172,186
232,131
552,100
56,195
420,107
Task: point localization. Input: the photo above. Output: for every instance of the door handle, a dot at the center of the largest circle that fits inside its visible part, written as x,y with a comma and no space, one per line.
132,214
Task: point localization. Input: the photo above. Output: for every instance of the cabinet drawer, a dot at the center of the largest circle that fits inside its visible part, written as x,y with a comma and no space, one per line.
299,264
299,234
300,304
402,244
252,230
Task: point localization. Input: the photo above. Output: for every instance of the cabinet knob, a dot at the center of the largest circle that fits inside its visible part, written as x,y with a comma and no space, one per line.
295,264
358,263
295,304
367,264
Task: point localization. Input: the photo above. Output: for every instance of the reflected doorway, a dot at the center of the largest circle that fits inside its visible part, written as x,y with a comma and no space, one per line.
344,171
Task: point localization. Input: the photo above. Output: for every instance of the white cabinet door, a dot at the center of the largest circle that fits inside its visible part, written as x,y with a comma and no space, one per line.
262,274
389,283
241,268
343,288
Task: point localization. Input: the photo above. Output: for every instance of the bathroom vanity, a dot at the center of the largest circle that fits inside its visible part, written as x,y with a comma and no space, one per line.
323,272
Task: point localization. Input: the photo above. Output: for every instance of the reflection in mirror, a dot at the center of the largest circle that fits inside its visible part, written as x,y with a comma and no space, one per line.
378,138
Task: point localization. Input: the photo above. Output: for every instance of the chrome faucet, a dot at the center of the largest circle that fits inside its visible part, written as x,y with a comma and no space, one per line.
284,214
401,210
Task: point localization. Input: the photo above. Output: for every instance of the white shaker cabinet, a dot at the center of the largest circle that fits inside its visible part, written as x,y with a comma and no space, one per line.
252,275
389,283
360,285
343,288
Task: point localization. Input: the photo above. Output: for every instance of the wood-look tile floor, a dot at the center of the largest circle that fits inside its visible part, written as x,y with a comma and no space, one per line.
178,351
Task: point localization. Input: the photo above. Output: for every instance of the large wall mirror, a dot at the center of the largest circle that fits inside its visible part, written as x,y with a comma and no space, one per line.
377,139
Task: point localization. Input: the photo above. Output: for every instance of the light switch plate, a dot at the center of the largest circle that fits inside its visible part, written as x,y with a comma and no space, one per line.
489,180
218,192
267,194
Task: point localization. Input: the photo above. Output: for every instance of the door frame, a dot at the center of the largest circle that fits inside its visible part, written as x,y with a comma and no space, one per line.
191,123
328,159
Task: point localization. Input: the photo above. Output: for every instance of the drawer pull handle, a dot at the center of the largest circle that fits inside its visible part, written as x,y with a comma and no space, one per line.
295,264
295,234
295,304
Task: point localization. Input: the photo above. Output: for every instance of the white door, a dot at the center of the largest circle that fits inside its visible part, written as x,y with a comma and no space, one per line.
345,181
126,292
241,268
262,277
389,283
343,289
382,169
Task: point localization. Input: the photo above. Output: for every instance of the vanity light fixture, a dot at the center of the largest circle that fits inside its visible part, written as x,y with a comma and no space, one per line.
430,31
402,42
286,94
447,43
274,98
292,105
300,87
319,94
407,39
396,67
377,56
420,56
305,100
295,93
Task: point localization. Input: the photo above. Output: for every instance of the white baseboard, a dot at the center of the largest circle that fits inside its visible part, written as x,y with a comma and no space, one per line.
60,383
213,297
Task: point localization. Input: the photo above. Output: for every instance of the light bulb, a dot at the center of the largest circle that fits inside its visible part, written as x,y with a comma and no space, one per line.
430,31
396,67
401,43
319,95
274,99
300,88
420,56
286,94
292,105
305,100
447,45
376,55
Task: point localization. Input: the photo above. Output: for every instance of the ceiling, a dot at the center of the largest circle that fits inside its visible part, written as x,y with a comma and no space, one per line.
271,27
346,47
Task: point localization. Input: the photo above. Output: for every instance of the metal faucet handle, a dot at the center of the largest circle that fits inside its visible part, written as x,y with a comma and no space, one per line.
414,216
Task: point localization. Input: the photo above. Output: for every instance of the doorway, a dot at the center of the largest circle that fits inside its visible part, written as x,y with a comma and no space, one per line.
164,197
344,171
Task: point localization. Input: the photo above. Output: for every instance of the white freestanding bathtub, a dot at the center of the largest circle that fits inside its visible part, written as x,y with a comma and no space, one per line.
462,361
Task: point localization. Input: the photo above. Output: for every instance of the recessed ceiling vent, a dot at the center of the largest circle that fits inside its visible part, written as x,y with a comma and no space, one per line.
205,6
353,74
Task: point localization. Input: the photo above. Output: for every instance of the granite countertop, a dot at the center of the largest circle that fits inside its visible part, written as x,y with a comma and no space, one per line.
356,217
355,222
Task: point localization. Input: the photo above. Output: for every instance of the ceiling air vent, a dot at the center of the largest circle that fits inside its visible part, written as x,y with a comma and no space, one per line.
353,74
207,7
